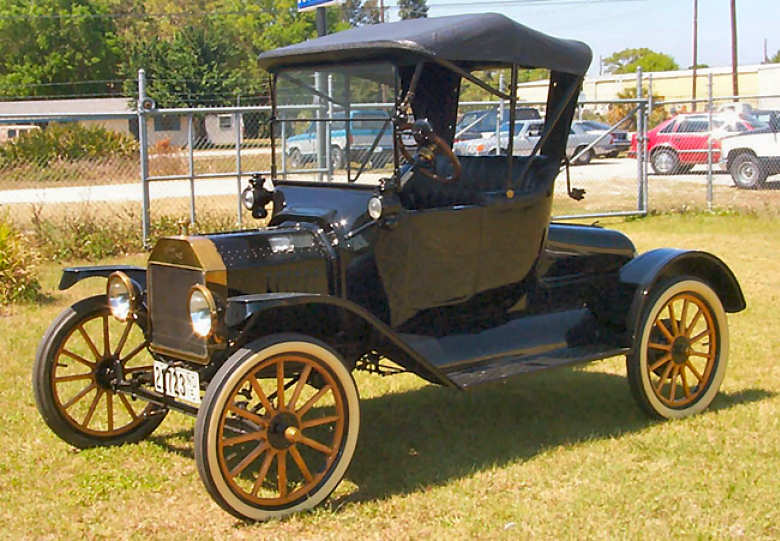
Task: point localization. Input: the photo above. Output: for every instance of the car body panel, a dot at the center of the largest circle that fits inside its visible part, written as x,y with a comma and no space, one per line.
688,135
364,128
527,135
764,144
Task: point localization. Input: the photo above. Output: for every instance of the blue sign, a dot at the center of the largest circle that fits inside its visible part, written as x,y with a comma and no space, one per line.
308,5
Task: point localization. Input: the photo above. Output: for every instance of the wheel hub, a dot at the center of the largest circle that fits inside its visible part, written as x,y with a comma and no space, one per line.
105,372
281,430
681,349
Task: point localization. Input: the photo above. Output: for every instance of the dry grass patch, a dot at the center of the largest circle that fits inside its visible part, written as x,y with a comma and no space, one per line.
564,454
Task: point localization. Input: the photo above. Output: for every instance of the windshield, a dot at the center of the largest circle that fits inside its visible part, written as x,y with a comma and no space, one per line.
334,123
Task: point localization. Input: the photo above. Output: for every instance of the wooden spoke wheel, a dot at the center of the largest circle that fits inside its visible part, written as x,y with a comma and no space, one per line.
681,351
277,427
81,353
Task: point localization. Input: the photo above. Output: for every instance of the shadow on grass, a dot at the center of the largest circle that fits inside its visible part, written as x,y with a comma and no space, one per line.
432,435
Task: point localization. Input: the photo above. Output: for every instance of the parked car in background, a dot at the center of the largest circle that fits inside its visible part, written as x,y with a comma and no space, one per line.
481,123
527,134
765,115
364,127
751,157
679,143
612,145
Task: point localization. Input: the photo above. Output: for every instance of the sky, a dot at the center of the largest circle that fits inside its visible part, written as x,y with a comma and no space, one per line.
666,26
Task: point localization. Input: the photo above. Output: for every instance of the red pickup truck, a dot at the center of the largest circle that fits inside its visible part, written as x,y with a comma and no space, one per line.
679,143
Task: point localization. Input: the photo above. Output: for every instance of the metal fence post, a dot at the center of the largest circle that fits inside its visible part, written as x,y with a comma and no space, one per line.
646,126
284,147
144,157
191,164
499,114
709,141
237,119
640,142
328,141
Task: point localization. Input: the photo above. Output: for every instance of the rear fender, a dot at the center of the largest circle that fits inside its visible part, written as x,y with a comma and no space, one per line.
647,270
73,275
245,314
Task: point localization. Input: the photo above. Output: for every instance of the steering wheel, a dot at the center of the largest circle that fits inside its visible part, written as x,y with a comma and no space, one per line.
428,145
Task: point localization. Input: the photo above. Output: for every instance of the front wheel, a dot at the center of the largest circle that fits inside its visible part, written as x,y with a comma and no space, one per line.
665,162
747,172
681,349
81,353
277,428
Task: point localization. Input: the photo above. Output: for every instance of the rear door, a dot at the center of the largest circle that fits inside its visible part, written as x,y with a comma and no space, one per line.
690,138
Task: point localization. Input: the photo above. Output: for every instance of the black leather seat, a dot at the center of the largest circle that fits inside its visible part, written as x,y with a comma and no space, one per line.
480,175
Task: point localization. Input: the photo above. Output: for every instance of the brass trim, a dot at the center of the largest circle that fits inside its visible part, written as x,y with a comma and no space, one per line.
131,290
179,354
175,265
213,265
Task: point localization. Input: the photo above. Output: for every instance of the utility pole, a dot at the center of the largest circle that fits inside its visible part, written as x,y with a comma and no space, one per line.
695,51
381,11
734,75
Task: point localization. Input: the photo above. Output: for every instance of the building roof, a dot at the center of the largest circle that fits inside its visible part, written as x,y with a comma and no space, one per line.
69,106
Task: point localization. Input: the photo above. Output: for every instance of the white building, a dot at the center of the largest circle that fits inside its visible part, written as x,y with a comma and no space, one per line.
220,129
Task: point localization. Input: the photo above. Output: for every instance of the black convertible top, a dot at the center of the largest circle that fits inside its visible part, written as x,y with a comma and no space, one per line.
468,40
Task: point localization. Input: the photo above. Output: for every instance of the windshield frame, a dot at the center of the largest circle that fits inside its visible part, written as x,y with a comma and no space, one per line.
333,117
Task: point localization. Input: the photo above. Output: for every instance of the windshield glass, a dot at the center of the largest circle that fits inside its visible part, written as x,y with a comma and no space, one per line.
314,139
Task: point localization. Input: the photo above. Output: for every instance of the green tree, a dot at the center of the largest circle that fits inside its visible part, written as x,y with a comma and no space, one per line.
412,9
628,60
48,44
776,58
358,13
618,111
198,65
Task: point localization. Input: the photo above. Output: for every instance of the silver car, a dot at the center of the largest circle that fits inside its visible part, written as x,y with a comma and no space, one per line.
527,134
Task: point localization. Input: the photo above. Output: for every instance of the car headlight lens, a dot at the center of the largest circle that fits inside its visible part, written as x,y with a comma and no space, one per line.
248,197
203,311
375,208
121,295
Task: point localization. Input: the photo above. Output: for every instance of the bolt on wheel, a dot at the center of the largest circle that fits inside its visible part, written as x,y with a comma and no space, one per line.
82,354
681,351
277,428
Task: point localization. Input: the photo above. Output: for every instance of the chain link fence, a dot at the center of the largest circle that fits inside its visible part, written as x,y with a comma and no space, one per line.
631,156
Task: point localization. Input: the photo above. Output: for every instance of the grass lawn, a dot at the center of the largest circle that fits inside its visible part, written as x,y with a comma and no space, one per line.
563,454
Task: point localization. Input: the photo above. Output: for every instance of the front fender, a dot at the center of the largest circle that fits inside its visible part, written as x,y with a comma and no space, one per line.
73,275
241,310
645,271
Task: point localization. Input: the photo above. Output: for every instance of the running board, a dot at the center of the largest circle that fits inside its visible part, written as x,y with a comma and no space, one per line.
506,367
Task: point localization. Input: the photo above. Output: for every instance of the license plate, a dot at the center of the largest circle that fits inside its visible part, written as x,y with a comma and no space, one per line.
176,382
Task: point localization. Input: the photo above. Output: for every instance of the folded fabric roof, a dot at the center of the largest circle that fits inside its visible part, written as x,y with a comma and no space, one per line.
471,41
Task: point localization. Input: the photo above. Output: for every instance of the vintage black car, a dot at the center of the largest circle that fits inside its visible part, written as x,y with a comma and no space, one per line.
449,268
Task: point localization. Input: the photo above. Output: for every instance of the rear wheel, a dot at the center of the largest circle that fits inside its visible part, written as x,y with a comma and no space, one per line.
83,350
681,349
665,162
585,158
336,158
747,172
277,428
295,159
